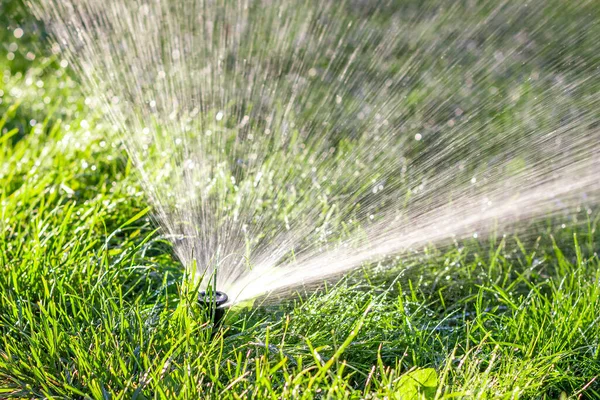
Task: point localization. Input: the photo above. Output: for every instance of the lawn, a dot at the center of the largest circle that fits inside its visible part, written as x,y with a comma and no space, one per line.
93,302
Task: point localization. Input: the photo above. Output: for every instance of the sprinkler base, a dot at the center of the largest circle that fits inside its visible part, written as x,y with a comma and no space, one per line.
214,302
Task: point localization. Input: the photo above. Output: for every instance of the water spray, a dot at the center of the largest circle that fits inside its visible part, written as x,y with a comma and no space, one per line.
370,148
215,303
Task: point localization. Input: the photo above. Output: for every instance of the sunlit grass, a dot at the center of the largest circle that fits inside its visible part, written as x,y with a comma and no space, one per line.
94,305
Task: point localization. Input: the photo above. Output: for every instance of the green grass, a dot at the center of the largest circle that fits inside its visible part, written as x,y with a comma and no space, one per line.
93,304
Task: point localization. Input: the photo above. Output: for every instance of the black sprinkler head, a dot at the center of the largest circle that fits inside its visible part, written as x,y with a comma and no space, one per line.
214,302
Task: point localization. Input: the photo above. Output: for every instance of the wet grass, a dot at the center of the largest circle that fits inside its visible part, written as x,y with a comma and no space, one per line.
93,305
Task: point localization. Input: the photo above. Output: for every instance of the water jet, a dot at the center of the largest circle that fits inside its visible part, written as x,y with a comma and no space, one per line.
356,145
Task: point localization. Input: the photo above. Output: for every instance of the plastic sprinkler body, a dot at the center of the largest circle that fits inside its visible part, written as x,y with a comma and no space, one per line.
214,302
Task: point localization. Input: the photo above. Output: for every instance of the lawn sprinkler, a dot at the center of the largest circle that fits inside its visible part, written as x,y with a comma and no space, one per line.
214,302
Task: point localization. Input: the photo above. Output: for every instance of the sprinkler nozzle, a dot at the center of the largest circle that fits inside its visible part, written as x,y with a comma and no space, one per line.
214,302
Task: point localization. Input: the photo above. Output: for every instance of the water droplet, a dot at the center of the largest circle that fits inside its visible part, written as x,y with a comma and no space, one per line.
219,116
418,137
18,33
